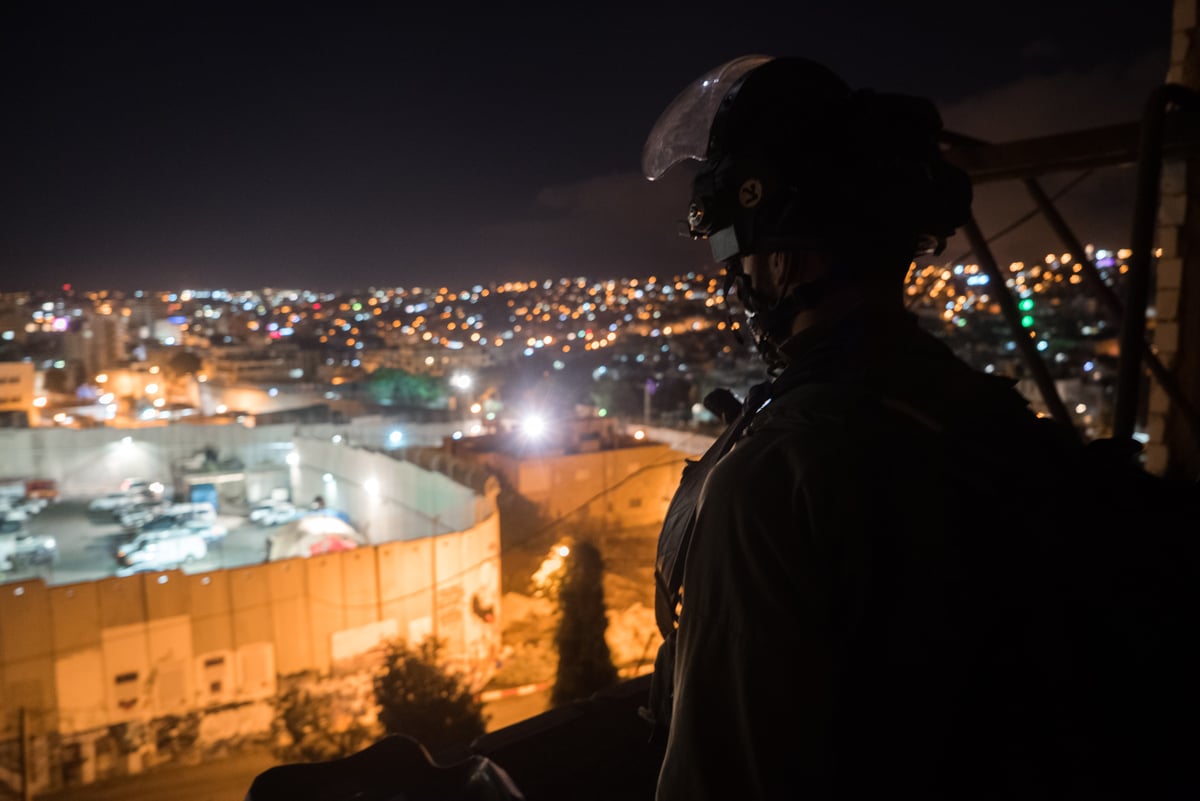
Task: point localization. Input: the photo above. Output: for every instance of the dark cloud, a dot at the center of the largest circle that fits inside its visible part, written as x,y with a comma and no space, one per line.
611,225
1040,51
388,144
1099,208
1069,100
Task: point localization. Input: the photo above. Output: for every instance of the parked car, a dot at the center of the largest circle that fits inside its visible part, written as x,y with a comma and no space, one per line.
111,503
22,549
164,515
34,549
165,549
16,514
202,511
143,488
137,515
34,504
274,513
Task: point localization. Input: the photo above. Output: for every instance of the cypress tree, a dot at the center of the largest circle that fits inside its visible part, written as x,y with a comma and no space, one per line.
585,664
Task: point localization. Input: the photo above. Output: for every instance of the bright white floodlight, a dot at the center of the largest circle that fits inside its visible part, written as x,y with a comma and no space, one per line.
533,426
460,381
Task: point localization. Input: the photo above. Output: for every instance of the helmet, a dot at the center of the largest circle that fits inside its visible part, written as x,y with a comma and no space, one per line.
791,156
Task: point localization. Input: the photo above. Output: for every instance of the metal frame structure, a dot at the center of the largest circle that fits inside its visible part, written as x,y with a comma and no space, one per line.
1170,129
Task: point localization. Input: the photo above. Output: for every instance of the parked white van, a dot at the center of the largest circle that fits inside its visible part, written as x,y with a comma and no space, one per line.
160,550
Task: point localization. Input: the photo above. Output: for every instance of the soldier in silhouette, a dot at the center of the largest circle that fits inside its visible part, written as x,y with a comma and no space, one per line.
842,617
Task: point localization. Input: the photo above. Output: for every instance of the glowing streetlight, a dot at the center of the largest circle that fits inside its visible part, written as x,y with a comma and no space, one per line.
460,381
534,426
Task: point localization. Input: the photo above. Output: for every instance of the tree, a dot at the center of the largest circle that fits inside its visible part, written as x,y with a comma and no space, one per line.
419,697
58,381
184,363
393,385
585,663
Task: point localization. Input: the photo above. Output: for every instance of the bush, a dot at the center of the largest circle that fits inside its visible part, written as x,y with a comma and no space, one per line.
312,736
419,697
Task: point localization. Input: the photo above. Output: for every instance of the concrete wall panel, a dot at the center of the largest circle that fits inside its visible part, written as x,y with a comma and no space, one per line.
28,683
79,681
360,581
75,616
290,627
25,622
122,601
215,677
126,674
406,593
169,652
249,598
257,671
326,605
212,618
168,595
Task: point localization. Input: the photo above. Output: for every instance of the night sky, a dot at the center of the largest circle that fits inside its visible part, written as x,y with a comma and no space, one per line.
339,147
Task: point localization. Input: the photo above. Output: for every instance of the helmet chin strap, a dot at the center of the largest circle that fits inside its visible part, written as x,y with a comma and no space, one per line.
771,323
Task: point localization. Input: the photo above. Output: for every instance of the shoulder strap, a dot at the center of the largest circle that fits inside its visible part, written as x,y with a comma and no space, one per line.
676,530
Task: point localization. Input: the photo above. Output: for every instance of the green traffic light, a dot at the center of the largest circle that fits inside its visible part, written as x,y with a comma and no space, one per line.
1027,321
1026,304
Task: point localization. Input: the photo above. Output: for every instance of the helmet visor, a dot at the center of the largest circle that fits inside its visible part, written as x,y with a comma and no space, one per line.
682,131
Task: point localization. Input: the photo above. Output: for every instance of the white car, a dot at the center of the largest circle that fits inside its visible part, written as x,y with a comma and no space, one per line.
34,549
200,511
272,512
16,514
140,514
162,549
112,502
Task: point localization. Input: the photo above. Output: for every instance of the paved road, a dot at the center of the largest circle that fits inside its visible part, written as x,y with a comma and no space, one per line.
220,780
228,779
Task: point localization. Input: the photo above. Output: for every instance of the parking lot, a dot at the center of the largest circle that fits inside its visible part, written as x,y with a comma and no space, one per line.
87,544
